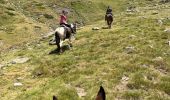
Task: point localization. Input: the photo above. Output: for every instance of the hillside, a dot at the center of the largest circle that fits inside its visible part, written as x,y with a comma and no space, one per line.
131,60
27,20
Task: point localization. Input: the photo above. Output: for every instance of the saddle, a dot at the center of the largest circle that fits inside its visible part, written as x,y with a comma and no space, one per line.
67,31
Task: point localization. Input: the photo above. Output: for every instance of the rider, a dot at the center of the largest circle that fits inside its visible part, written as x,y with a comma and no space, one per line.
63,20
109,10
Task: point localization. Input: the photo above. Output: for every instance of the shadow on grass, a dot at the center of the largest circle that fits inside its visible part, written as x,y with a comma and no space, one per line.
56,51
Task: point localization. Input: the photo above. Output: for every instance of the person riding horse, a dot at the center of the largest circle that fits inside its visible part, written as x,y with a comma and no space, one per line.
63,22
109,16
64,31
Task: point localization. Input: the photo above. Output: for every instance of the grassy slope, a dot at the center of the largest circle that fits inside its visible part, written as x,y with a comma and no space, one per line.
98,58
26,20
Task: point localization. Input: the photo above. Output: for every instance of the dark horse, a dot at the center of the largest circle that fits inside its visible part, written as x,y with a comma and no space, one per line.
109,19
100,96
62,33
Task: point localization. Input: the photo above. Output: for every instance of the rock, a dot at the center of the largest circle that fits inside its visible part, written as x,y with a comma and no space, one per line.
81,92
158,59
129,49
169,43
151,46
132,36
18,84
20,78
144,66
155,13
52,41
30,48
1,66
167,30
20,60
124,78
160,22
95,28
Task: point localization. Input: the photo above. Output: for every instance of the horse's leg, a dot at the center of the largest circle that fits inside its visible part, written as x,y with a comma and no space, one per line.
108,23
70,42
61,43
57,39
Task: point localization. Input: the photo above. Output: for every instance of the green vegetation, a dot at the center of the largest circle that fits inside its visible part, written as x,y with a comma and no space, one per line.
97,58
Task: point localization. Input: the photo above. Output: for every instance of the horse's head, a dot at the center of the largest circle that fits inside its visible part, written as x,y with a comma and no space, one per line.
55,98
101,94
74,27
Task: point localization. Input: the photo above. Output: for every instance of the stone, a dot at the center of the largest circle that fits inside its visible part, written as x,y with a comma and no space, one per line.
129,49
160,22
20,60
1,66
169,43
158,59
81,92
125,78
132,36
18,84
95,28
52,41
167,30
20,78
145,66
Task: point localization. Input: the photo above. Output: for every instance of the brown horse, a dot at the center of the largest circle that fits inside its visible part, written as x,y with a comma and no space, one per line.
100,96
109,19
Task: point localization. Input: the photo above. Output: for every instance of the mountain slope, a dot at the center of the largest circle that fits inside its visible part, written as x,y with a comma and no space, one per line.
131,60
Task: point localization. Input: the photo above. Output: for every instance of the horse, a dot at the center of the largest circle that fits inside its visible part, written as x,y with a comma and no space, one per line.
62,33
109,19
100,96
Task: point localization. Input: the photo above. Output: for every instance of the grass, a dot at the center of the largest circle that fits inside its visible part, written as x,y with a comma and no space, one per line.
97,58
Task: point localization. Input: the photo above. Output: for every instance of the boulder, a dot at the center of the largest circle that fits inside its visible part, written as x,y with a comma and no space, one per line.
81,92
1,66
132,36
20,60
167,30
129,49
18,84
95,28
158,59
